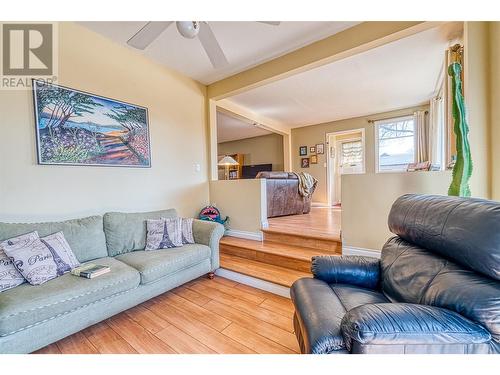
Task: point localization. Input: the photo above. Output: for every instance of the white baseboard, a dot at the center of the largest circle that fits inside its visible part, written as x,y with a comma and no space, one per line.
256,236
254,282
351,250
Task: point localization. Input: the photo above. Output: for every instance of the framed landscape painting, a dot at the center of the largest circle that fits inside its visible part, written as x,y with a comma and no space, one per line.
77,128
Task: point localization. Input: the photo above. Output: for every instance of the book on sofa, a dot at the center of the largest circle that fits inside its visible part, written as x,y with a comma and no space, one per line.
90,271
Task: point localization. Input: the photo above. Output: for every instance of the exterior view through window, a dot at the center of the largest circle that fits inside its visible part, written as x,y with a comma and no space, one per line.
352,157
395,144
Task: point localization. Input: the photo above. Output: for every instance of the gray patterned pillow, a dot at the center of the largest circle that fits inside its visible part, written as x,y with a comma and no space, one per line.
187,231
9,275
40,259
163,233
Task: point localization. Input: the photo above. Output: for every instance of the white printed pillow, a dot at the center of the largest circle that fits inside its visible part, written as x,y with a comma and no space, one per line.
187,231
40,259
9,275
163,233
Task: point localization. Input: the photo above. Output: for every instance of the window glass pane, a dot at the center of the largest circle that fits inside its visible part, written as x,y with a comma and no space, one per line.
396,148
352,153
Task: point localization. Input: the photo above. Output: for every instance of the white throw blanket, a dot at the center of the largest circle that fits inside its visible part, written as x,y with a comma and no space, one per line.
307,184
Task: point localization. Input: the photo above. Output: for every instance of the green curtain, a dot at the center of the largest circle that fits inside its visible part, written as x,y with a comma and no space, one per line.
462,170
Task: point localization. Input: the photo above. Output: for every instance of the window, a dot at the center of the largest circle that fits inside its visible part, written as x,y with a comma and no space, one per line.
395,144
351,158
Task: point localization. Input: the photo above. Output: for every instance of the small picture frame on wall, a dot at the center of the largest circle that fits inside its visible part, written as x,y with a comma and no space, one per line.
314,159
320,148
304,163
303,150
312,149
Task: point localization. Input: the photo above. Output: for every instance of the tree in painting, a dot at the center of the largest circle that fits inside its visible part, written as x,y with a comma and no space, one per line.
79,128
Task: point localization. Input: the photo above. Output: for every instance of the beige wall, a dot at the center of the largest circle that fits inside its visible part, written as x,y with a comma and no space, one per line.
311,135
494,103
264,149
476,90
367,200
176,105
244,201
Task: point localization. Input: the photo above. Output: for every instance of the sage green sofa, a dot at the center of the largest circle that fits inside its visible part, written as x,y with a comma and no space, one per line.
32,317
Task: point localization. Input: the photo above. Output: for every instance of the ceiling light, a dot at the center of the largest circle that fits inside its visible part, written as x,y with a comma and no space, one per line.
188,29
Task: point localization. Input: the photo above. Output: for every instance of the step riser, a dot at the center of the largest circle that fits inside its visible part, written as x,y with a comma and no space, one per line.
273,259
312,243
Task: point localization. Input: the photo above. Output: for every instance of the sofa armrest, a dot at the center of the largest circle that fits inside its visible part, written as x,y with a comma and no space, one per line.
352,269
209,233
387,324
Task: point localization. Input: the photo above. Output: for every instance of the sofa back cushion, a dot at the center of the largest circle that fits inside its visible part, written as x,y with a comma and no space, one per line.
85,236
464,230
126,232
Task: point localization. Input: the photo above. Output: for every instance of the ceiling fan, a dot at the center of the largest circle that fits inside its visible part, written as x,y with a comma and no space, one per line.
188,29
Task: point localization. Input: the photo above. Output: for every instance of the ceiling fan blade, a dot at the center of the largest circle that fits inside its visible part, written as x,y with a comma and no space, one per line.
149,32
211,46
272,23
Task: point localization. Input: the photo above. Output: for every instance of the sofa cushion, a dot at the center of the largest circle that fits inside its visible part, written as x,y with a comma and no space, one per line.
126,232
156,264
85,236
319,309
163,233
27,305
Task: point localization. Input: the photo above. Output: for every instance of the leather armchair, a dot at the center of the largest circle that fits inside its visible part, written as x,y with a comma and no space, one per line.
283,197
434,290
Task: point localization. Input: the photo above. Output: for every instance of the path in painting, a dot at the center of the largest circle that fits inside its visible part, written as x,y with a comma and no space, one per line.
116,149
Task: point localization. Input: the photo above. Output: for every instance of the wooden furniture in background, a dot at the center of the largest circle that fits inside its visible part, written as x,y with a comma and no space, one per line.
235,172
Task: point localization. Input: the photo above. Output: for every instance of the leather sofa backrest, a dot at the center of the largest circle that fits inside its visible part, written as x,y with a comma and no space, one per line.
277,175
446,254
465,230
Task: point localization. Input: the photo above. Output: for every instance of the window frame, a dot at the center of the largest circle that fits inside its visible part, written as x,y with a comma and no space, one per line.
391,120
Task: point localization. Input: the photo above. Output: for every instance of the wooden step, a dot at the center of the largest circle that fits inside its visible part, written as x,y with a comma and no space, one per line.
331,243
274,274
278,254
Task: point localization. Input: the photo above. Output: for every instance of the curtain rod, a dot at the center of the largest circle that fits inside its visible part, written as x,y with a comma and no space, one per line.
388,118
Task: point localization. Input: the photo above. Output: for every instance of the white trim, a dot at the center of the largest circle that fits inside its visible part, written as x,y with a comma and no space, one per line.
351,250
329,170
254,282
256,236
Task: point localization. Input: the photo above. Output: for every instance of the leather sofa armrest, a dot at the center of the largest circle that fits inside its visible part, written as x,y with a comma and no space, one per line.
387,324
352,269
209,233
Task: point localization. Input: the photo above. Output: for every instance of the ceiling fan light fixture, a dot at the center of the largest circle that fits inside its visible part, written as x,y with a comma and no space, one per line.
188,29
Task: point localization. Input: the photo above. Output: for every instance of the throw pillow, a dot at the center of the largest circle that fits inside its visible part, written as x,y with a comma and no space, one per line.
187,231
9,275
163,233
40,259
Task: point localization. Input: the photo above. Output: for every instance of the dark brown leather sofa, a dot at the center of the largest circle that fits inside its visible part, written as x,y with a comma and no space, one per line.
283,197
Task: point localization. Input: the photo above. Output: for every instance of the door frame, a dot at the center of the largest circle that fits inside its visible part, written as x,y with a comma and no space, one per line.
330,167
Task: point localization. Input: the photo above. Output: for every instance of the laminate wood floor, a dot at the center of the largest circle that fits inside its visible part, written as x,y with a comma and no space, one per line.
202,316
320,222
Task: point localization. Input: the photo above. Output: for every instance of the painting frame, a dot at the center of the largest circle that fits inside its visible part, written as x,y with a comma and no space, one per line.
312,149
303,151
147,156
313,159
304,163
320,148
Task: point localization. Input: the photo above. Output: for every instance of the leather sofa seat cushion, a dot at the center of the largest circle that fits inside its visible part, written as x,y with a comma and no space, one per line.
26,305
409,324
126,232
320,308
156,264
84,236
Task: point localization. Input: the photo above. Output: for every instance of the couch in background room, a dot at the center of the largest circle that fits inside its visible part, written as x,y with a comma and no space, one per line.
283,197
436,288
32,317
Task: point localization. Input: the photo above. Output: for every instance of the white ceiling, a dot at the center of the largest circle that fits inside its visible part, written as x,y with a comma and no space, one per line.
230,128
245,44
397,75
